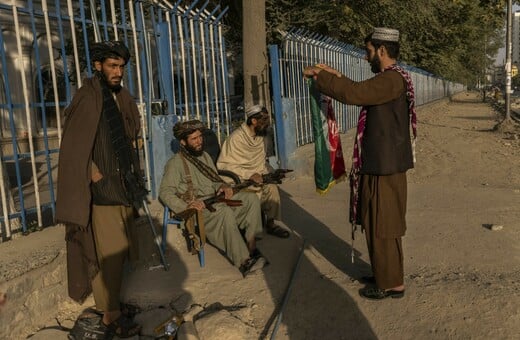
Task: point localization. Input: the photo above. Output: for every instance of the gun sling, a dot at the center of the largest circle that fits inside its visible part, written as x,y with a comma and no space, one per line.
197,241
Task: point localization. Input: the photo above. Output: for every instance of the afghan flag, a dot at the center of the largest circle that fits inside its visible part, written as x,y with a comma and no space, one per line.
329,165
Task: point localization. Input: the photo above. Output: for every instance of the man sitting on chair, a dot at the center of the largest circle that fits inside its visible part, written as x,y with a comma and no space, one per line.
243,153
190,177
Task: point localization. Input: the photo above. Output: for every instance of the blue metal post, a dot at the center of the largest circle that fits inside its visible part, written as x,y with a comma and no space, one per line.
278,109
13,134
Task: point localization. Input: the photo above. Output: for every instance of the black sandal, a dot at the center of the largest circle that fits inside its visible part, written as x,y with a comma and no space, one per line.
123,327
379,294
277,231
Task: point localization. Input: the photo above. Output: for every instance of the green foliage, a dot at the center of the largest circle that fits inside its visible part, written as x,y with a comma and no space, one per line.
515,81
455,39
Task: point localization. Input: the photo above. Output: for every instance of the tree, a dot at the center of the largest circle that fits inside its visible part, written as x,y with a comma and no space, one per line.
454,39
255,60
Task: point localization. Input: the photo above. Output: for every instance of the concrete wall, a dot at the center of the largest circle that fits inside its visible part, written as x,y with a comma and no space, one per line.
33,276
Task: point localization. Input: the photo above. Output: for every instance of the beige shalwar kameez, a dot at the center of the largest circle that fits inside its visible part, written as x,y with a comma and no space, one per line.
244,154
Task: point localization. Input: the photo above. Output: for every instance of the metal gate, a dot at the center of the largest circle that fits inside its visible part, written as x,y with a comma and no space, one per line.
178,68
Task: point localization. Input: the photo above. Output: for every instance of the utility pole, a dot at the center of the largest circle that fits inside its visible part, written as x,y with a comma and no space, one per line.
254,50
509,44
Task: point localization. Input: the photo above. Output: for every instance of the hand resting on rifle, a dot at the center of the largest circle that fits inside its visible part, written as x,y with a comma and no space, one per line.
226,189
196,204
257,178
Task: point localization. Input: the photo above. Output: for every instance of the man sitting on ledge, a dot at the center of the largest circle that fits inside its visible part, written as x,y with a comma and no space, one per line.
190,177
243,153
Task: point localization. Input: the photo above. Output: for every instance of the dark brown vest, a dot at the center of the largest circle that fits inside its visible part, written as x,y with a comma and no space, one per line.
387,147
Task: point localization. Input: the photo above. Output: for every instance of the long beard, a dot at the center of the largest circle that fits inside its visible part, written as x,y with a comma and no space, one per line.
192,151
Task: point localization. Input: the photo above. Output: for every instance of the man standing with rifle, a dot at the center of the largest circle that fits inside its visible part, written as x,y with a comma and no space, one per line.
98,183
243,153
190,177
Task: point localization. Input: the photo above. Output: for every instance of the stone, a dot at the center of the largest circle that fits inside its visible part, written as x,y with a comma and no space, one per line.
496,227
223,325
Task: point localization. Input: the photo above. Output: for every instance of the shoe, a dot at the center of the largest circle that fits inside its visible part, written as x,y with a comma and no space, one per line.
277,231
256,254
88,326
371,280
252,264
379,294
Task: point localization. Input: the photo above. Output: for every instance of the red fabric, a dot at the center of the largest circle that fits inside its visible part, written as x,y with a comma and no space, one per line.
337,162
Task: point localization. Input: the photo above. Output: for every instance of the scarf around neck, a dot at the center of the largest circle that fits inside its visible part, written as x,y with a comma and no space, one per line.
203,168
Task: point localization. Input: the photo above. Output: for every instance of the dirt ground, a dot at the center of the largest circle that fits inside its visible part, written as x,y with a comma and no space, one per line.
461,250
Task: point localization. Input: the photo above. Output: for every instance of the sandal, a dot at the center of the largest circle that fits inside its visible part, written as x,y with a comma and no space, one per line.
122,327
253,264
277,231
379,294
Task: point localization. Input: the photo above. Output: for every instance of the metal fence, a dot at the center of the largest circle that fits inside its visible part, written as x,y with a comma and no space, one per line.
290,95
178,69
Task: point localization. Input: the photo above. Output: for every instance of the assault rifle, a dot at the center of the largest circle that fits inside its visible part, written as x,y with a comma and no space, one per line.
270,178
208,202
137,192
276,176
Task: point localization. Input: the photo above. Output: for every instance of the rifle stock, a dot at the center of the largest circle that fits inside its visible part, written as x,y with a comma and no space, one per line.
185,214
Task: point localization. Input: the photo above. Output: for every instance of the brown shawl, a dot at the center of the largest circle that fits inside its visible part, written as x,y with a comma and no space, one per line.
73,203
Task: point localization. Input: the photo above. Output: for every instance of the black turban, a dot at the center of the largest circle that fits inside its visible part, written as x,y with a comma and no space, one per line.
109,49
181,130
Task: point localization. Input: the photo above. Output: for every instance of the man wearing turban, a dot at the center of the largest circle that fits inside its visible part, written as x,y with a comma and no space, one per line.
190,177
93,201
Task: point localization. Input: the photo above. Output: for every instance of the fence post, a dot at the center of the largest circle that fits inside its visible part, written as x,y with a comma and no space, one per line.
285,124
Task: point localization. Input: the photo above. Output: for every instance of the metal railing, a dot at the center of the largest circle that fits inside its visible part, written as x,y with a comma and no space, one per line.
178,68
290,95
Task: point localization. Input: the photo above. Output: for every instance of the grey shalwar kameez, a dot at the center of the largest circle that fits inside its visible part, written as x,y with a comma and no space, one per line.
223,227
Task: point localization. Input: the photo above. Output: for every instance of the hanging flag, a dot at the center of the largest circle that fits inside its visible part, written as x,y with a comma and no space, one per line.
329,165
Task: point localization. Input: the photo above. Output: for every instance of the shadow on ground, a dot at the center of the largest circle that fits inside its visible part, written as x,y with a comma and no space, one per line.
319,305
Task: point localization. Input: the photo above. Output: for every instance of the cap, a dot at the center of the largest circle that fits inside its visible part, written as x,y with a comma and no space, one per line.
255,109
385,34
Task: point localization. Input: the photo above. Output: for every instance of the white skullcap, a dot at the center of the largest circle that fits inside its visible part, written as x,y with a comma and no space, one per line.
253,110
385,34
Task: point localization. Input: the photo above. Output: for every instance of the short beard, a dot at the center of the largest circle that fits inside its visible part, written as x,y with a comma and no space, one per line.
375,64
103,78
193,152
261,132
